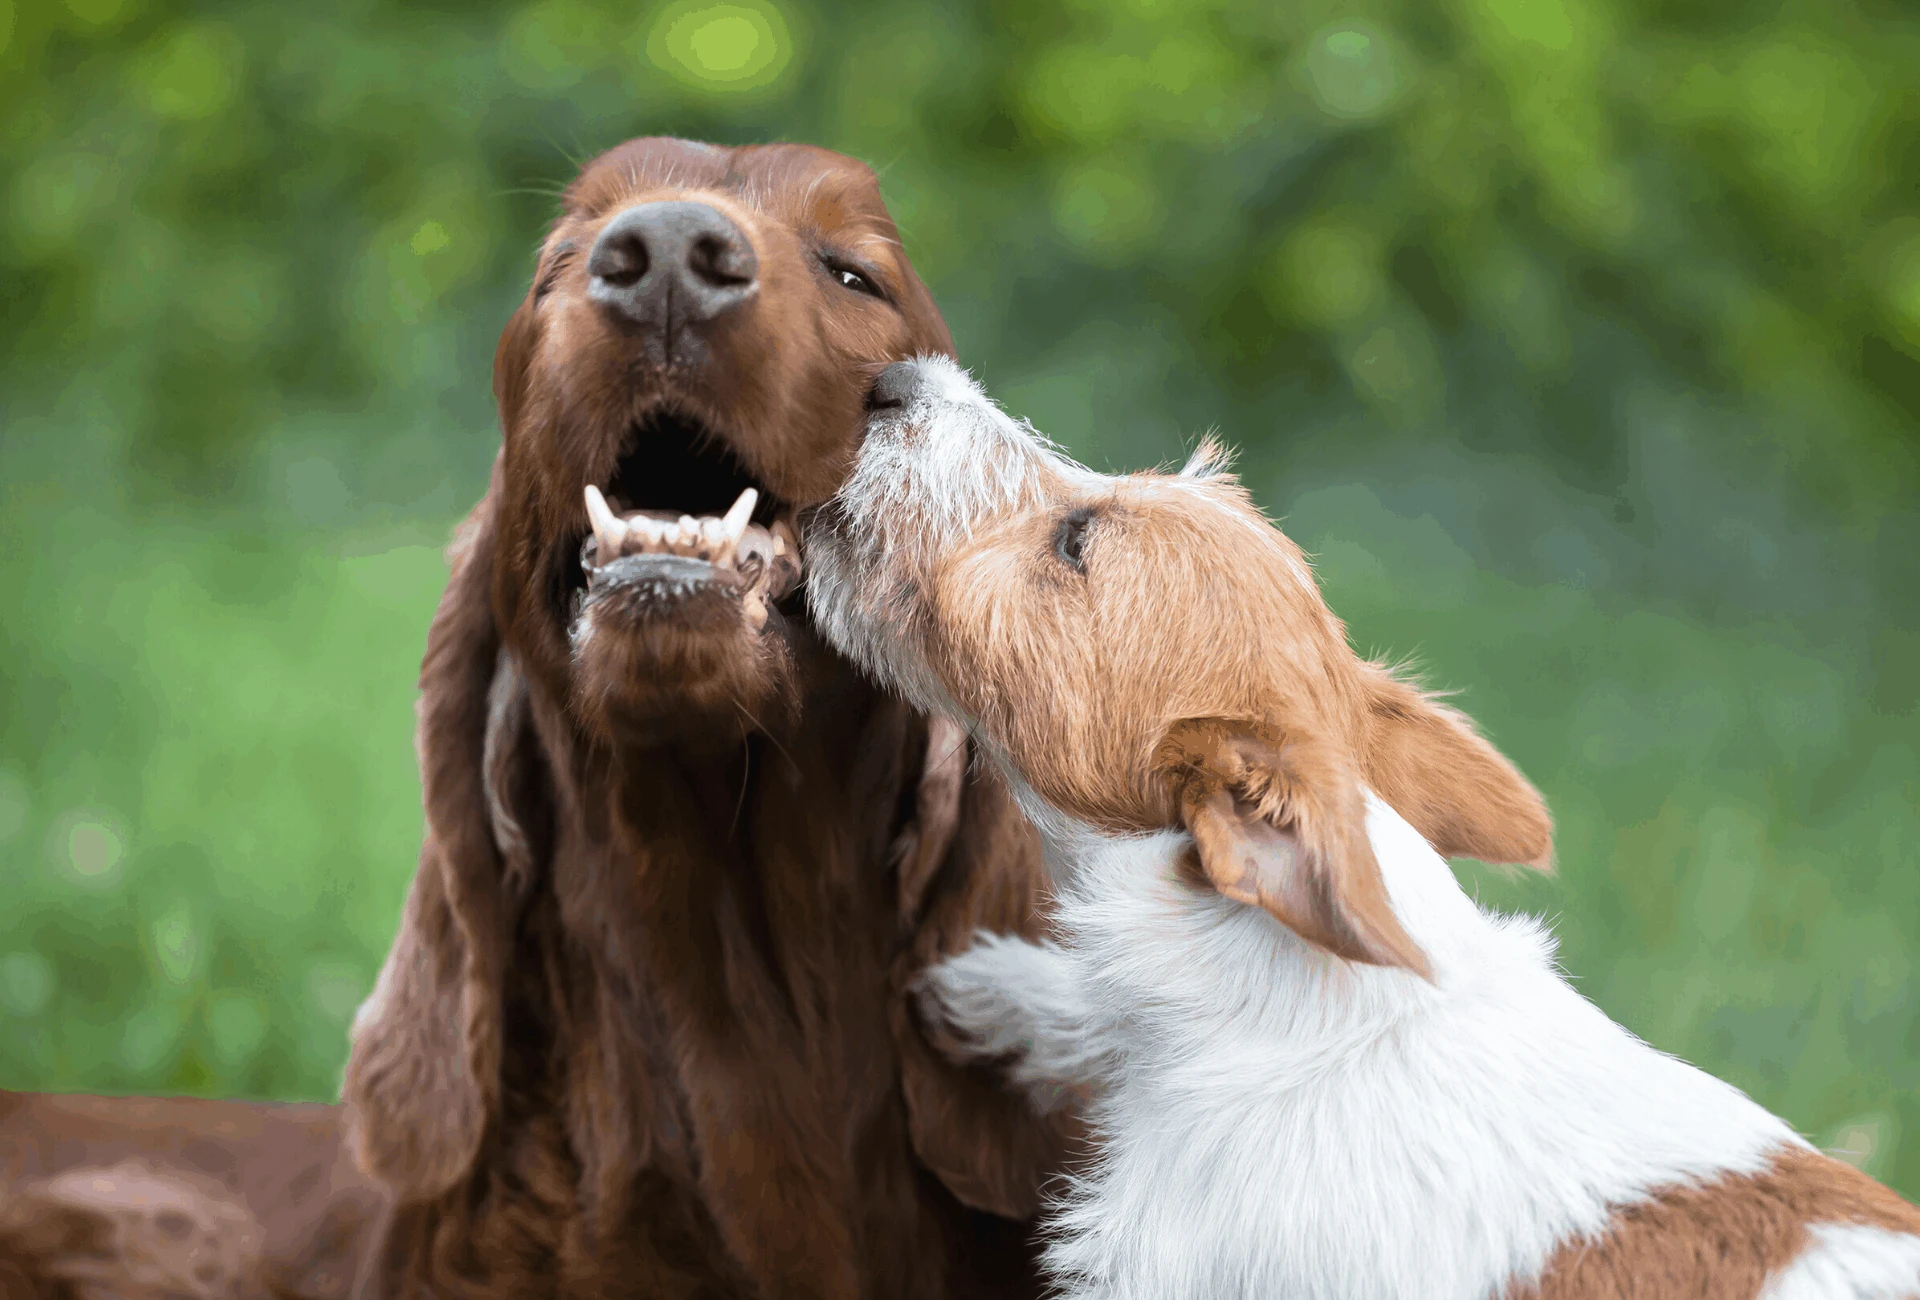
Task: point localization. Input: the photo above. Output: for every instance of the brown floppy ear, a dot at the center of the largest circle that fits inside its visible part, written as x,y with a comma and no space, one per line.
423,1073
1439,773
1279,822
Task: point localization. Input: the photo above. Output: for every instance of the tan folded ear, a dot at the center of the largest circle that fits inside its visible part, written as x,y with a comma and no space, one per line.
1279,823
1458,791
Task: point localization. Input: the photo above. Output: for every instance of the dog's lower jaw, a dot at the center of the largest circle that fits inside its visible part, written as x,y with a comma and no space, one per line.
671,652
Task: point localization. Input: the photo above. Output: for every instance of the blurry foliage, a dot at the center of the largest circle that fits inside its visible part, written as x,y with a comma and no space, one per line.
1579,338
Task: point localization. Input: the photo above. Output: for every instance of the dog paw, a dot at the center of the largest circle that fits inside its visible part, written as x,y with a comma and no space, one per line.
1022,1005
964,1011
979,1004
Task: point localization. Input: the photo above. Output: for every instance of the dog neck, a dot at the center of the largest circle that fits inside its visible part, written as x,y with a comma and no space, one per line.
1416,1138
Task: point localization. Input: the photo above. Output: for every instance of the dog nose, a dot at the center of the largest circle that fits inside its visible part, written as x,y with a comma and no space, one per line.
680,259
895,387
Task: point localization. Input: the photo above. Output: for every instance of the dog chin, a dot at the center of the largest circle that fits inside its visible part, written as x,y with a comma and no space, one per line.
671,647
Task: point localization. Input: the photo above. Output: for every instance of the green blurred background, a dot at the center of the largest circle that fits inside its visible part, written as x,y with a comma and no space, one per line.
1579,339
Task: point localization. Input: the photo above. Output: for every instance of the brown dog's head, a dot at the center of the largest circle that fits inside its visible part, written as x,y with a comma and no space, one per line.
1146,651
695,352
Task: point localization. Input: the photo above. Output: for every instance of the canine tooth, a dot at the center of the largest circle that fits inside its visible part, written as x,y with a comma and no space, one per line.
750,552
784,568
740,512
607,526
733,528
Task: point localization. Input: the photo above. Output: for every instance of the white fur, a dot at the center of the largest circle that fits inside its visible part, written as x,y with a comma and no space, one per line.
1850,1261
1274,1121
928,474
1022,1001
1278,1122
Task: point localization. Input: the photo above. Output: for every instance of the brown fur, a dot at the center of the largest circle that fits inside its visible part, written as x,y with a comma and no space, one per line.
136,1197
644,1029
1719,1241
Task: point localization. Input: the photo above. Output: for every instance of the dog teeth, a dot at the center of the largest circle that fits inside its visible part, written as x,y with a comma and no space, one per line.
733,528
767,558
741,511
647,532
608,528
785,567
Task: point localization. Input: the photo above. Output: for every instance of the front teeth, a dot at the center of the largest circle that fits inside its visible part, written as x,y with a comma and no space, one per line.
648,532
767,559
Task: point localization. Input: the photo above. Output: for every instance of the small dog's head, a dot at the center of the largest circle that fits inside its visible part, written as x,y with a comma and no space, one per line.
1144,651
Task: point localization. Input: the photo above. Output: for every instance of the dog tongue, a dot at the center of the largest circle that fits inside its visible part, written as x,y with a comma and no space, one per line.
769,558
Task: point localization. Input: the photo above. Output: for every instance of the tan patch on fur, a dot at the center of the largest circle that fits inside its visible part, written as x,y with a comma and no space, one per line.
1196,622
1278,822
1429,763
1721,1240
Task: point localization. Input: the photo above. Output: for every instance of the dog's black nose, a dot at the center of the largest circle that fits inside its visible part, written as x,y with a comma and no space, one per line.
679,261
895,387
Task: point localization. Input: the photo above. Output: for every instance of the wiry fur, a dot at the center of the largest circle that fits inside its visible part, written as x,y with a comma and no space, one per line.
1318,1068
1275,1121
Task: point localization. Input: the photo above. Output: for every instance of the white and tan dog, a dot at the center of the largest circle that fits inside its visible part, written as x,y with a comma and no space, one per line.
1318,1069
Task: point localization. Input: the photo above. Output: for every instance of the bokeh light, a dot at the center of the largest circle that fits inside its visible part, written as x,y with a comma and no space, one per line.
724,47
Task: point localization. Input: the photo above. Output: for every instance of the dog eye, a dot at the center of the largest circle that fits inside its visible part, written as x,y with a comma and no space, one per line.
1070,539
853,280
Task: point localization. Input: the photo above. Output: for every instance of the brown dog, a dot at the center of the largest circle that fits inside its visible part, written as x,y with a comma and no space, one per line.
643,1031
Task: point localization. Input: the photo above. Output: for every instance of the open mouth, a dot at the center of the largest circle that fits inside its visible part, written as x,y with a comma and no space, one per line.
679,494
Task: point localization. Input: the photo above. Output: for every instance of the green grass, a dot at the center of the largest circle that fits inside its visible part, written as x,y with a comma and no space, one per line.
211,805
1735,822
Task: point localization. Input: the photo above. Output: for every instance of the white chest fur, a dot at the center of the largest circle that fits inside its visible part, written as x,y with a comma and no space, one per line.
1278,1122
